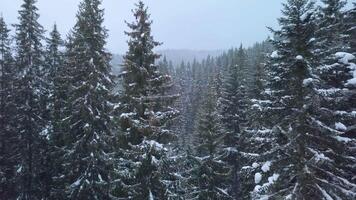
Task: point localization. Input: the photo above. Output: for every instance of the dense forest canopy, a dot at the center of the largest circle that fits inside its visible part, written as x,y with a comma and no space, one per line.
276,120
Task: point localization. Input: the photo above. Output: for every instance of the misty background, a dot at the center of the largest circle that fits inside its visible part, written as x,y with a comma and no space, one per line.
179,24
188,29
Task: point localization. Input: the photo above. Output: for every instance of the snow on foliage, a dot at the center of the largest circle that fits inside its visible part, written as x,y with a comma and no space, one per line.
299,57
352,81
266,167
340,126
325,194
274,54
255,165
154,144
273,178
343,139
344,57
258,178
150,196
223,191
307,81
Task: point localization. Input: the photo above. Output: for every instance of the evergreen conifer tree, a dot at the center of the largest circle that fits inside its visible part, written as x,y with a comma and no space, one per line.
308,159
145,113
209,174
87,157
8,136
28,92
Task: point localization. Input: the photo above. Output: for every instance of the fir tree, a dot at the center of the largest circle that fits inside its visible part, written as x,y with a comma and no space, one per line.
28,91
54,64
87,148
233,111
308,159
209,174
145,112
8,136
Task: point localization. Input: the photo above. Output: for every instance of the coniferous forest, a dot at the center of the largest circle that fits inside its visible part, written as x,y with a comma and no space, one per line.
276,120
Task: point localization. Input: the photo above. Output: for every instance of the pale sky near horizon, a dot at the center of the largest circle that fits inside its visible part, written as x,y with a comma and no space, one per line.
179,24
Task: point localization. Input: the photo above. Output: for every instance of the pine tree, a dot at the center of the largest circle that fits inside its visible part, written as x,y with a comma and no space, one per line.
28,91
87,160
209,173
8,136
145,112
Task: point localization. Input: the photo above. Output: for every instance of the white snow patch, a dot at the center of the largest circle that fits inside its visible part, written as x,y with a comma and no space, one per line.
266,167
351,81
19,169
100,178
340,126
273,178
127,115
299,57
76,183
274,54
222,191
150,196
342,139
258,178
305,15
255,165
257,188
344,57
154,144
307,81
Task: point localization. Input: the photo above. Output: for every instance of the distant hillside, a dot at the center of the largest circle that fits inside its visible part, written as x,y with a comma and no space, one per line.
176,56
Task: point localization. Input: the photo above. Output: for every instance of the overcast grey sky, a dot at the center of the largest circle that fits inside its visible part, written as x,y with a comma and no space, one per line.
179,24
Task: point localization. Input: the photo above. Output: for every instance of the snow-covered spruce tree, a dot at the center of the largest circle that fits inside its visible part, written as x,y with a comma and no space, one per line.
209,175
233,93
52,75
337,74
54,62
8,136
145,113
331,39
258,59
308,159
256,138
87,146
28,92
232,107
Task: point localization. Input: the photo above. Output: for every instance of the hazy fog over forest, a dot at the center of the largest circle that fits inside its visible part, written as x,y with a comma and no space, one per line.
180,24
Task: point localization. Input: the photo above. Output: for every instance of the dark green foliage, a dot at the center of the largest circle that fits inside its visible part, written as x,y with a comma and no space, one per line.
145,114
8,135
209,176
87,146
308,158
28,90
56,93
